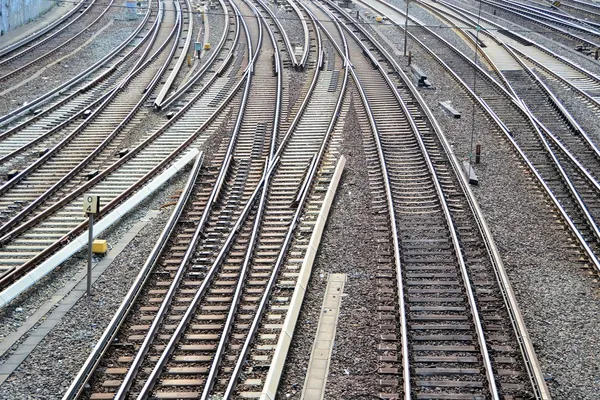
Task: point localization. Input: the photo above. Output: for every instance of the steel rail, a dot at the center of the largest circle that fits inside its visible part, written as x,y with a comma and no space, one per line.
535,44
577,7
78,385
49,53
304,59
130,154
593,258
15,272
4,119
83,163
489,372
469,20
175,71
47,28
272,164
103,76
163,358
551,17
547,25
95,104
585,3
184,88
526,345
560,13
546,15
25,172
193,241
142,351
178,27
541,128
28,39
282,32
228,325
286,242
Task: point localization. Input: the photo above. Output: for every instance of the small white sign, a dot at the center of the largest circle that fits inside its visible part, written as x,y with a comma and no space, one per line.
91,204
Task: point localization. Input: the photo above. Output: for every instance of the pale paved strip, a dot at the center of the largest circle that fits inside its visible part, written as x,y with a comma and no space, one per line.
32,277
287,331
318,366
66,298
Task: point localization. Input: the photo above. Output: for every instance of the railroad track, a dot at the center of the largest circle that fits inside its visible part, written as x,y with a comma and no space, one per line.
561,69
66,28
571,144
106,127
54,223
239,273
25,141
576,38
56,46
234,173
50,30
84,80
584,7
442,307
582,18
560,174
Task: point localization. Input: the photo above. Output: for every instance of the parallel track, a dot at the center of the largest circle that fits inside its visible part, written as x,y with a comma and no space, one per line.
19,65
120,177
448,307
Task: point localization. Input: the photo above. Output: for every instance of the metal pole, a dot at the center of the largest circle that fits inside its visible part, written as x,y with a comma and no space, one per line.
89,266
406,26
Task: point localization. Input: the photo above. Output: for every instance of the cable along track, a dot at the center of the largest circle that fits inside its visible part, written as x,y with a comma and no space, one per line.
448,275
57,223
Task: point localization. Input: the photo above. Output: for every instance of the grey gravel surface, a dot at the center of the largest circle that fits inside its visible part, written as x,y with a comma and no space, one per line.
289,20
68,68
586,116
347,247
557,296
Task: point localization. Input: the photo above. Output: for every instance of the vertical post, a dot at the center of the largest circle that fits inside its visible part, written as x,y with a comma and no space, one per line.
406,27
409,57
89,266
477,153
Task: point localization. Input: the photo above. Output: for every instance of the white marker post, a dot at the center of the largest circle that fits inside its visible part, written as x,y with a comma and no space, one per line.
91,206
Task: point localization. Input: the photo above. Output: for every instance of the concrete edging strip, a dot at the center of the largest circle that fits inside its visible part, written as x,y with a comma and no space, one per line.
287,331
320,356
77,244
66,297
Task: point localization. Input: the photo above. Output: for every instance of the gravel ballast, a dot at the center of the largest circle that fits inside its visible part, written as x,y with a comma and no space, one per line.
346,247
557,296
